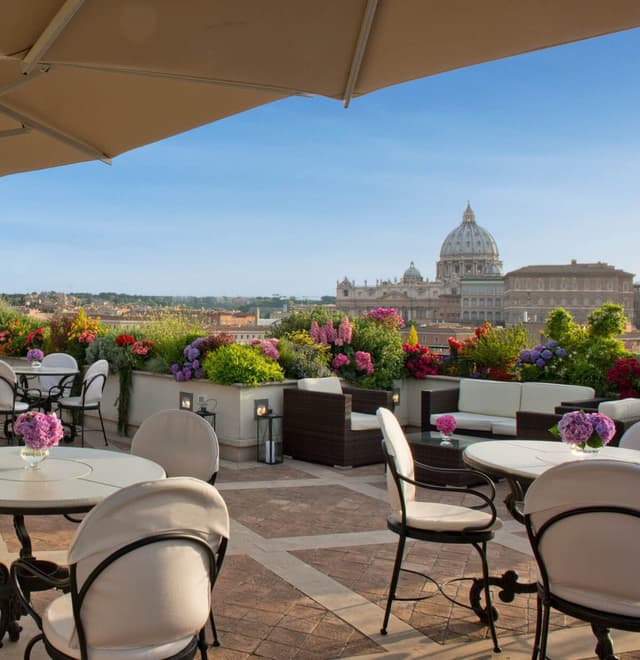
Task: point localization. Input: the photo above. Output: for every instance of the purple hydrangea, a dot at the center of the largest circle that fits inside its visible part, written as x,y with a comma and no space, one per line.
575,428
603,426
39,430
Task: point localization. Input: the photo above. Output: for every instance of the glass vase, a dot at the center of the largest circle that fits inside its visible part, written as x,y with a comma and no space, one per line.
33,457
584,450
36,364
445,440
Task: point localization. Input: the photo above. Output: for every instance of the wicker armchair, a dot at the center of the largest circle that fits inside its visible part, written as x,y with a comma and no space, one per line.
318,426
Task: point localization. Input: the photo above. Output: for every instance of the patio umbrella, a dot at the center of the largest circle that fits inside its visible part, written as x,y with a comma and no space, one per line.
91,79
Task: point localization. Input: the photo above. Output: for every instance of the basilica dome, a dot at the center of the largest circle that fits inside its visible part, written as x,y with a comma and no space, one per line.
412,274
469,239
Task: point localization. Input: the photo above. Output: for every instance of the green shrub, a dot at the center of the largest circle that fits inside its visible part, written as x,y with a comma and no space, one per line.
385,347
237,363
301,357
302,321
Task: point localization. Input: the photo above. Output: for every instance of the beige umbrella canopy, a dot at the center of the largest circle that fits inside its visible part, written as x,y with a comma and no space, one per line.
91,79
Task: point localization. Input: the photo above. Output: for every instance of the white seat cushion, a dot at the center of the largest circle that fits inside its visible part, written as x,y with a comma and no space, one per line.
616,604
472,421
19,407
329,385
59,629
544,397
438,517
363,422
76,402
622,409
506,427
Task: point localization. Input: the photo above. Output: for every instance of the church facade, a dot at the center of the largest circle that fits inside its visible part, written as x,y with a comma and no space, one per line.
467,287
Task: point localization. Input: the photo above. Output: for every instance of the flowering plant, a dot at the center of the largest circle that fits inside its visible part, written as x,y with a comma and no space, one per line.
38,430
625,375
387,316
195,352
35,355
35,338
582,429
446,424
268,347
419,361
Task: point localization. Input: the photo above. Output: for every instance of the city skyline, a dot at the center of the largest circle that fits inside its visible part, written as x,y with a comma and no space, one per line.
291,197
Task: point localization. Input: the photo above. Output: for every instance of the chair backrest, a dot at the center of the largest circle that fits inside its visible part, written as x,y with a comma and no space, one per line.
631,437
156,593
328,385
8,382
58,360
586,555
398,450
95,378
182,442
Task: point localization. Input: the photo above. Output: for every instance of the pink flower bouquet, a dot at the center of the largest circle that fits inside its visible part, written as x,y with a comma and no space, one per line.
446,424
39,430
580,429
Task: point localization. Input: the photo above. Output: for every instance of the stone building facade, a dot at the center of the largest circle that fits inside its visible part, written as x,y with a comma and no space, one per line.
531,292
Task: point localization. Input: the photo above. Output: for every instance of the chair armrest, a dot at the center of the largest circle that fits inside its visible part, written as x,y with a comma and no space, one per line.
588,405
304,409
534,425
437,401
368,401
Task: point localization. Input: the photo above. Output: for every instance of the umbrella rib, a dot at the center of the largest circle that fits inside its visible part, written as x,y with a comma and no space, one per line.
14,131
56,134
361,46
272,89
50,34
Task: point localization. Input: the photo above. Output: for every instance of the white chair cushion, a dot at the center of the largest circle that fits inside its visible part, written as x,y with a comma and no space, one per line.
329,385
363,422
75,402
18,406
59,629
489,397
544,397
472,421
623,409
617,604
506,427
438,517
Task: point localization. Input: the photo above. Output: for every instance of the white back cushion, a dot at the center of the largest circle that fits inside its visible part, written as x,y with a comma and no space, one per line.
544,397
329,385
622,409
489,397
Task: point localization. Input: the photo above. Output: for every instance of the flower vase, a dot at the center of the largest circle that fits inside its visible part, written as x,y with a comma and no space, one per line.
36,364
33,457
445,440
584,450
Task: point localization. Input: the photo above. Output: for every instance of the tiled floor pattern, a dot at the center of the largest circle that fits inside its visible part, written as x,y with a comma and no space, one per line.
308,567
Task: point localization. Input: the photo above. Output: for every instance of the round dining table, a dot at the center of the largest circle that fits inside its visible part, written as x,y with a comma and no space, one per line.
71,480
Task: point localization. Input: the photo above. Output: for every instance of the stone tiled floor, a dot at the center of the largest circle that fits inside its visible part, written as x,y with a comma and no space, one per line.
308,567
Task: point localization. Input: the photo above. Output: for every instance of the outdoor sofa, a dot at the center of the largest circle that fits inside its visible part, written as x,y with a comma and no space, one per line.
493,408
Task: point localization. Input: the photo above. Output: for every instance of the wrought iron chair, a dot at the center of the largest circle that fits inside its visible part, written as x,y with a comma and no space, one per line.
182,442
433,521
142,568
585,541
10,406
93,383
631,437
52,387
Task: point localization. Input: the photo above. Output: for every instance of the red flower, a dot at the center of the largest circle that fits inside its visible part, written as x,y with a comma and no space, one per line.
123,340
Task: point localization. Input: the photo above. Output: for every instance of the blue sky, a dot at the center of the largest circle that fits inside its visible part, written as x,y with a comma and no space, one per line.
290,197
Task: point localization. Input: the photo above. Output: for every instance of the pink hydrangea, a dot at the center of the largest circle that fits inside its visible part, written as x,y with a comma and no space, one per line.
575,428
340,360
446,424
363,362
267,347
39,430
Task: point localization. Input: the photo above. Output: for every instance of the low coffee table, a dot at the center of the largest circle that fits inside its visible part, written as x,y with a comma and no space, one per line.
427,449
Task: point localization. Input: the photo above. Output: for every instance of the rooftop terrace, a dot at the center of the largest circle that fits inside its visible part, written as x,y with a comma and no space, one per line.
309,564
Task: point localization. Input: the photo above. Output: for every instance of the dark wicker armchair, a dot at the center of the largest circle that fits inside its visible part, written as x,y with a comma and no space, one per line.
317,426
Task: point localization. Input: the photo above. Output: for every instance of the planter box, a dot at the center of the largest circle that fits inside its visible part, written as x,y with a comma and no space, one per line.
235,423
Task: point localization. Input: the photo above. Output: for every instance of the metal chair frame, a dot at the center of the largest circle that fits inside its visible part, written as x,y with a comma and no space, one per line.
475,536
600,620
84,406
20,568
10,415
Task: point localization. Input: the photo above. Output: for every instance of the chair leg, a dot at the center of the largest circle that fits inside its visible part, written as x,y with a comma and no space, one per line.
82,426
394,583
106,444
536,639
482,550
544,633
213,629
202,645
31,644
